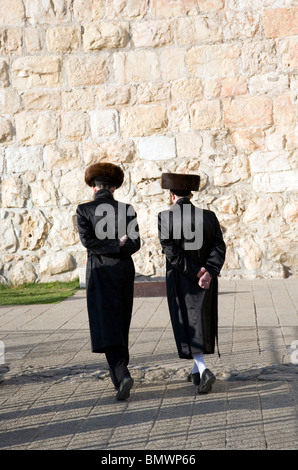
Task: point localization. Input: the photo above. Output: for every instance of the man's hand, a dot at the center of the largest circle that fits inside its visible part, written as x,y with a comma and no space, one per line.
123,240
204,278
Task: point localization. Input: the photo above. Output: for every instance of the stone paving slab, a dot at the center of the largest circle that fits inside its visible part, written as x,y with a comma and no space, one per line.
56,395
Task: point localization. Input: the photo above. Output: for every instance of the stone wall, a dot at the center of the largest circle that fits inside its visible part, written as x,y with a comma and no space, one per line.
205,86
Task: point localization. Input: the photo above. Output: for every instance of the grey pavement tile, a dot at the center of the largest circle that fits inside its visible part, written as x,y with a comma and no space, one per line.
56,394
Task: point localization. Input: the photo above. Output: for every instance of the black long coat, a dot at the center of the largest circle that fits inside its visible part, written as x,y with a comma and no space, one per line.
193,310
110,269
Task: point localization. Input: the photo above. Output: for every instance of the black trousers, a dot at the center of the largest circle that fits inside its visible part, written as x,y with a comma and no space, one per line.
117,358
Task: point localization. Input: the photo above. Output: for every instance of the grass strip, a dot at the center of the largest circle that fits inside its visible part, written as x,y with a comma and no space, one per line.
38,293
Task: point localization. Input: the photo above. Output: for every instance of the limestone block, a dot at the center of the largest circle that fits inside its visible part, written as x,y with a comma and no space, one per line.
8,239
290,55
242,24
190,165
142,121
260,210
23,159
33,39
10,102
205,114
43,193
211,5
150,92
36,129
4,73
231,170
172,64
6,131
187,89
232,259
136,66
56,263
213,60
250,253
224,87
157,148
152,33
64,156
63,39
166,9
105,35
11,41
285,250
73,187
198,29
270,161
280,22
35,71
145,170
227,204
86,70
103,122
113,95
89,10
35,228
276,182
268,83
23,272
275,139
178,115
121,151
78,99
41,100
2,161
15,192
48,11
247,111
189,145
248,139
283,110
74,126
291,212
239,5
12,13
93,152
150,188
64,231
259,57
127,8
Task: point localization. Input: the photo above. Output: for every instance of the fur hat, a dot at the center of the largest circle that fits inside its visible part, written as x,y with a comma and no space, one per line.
104,172
180,182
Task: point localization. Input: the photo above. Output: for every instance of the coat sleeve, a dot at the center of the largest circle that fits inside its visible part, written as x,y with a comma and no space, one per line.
216,257
133,244
89,239
175,255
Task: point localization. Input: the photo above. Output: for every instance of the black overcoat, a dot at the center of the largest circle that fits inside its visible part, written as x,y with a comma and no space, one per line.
193,310
110,269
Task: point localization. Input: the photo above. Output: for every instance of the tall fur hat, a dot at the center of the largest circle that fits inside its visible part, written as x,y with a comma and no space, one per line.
104,172
180,182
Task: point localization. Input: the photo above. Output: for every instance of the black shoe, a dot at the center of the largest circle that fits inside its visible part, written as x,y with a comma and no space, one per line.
206,382
124,388
196,378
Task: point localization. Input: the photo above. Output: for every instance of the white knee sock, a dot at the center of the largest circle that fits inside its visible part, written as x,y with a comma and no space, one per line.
199,364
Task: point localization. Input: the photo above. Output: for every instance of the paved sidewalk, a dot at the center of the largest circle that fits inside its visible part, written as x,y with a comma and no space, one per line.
56,394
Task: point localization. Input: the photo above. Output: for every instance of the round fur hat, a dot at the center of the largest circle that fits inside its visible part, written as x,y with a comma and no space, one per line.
180,182
105,172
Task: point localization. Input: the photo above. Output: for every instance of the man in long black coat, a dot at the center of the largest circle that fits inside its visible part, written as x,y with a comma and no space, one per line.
192,242
109,231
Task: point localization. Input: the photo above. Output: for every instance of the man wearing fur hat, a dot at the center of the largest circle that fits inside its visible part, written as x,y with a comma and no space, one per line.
109,231
192,242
